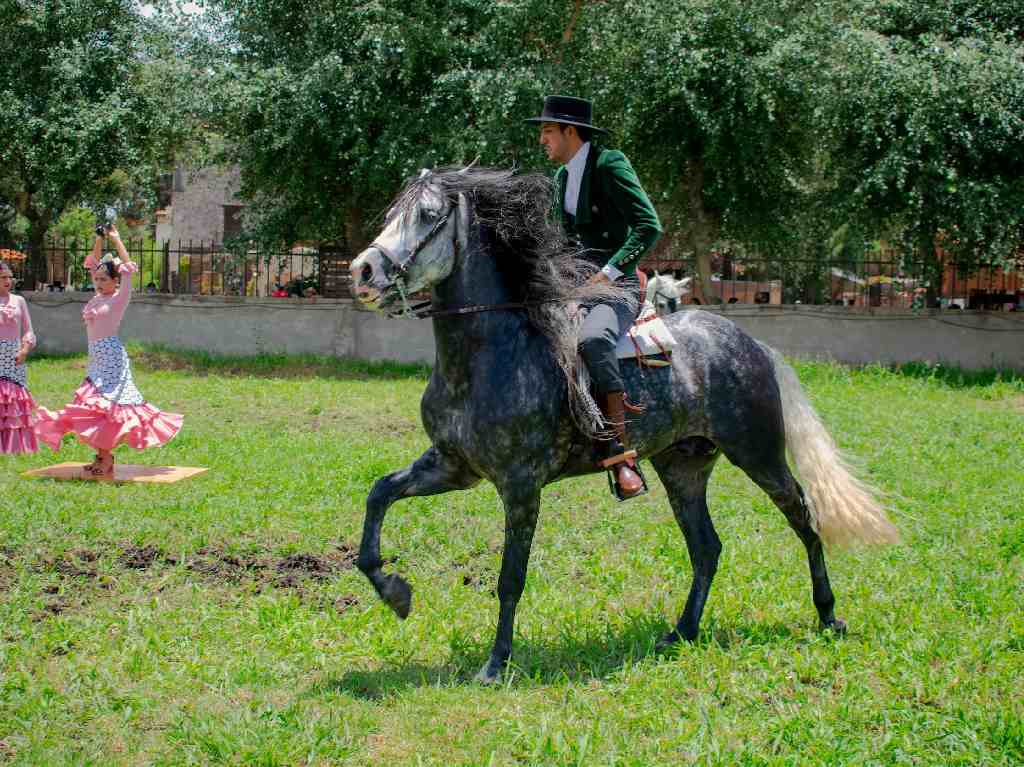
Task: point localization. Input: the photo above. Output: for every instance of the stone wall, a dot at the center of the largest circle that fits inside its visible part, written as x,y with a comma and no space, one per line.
237,326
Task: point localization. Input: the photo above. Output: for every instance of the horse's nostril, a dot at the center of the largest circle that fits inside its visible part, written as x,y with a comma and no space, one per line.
367,274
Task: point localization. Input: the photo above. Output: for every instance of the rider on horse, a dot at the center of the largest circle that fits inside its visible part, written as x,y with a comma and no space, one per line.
604,207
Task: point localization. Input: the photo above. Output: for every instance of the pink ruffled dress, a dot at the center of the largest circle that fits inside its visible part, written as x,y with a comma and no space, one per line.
108,409
17,408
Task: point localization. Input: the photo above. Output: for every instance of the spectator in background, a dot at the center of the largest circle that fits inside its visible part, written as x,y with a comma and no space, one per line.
17,408
279,292
151,287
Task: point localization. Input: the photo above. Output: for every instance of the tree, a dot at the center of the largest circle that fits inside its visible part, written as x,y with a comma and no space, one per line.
75,109
771,124
327,108
715,103
926,116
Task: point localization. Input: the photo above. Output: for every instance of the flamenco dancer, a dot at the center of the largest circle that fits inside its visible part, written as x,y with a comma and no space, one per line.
108,410
17,407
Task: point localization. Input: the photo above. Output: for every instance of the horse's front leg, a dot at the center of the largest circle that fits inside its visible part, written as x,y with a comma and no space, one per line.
522,504
432,473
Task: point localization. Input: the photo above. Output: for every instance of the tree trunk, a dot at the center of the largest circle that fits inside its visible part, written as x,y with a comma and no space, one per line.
570,28
933,271
355,230
703,230
38,224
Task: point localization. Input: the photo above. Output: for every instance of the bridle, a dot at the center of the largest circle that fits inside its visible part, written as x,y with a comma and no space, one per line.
424,310
400,267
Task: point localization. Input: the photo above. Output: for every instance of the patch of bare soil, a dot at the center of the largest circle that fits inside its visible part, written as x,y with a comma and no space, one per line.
139,557
7,556
345,603
80,578
291,571
70,566
7,751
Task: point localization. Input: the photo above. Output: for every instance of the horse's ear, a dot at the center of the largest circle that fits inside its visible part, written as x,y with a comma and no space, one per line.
655,275
463,222
424,172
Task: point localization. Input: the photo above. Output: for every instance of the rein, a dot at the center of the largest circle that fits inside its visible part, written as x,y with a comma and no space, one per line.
422,311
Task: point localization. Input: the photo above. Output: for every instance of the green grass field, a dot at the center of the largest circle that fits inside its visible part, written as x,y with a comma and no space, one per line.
220,620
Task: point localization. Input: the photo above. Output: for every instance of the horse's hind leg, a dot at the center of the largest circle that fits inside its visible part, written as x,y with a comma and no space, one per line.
778,482
684,470
430,474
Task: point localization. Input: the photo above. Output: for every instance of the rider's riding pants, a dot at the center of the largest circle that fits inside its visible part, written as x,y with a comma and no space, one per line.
604,325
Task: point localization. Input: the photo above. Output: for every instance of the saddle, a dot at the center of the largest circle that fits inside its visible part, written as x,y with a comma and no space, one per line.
648,341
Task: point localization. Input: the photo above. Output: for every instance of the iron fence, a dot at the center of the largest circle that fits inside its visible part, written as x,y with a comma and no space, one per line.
196,268
202,268
884,280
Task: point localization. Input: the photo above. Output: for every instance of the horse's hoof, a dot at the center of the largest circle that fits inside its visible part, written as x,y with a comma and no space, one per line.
669,641
837,626
489,675
397,594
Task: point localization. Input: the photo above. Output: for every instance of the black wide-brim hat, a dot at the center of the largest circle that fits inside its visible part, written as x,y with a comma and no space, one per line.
567,110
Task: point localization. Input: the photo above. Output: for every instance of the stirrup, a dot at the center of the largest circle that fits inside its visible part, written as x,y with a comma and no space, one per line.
613,483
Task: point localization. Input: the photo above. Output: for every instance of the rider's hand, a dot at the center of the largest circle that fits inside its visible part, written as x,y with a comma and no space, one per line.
598,279
112,233
21,356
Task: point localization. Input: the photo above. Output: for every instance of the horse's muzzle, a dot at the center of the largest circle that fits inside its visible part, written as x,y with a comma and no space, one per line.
367,273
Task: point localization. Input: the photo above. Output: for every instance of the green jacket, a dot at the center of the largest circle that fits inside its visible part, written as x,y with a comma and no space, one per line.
615,220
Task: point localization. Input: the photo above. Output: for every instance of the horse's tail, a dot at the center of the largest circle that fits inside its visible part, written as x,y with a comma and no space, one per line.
844,510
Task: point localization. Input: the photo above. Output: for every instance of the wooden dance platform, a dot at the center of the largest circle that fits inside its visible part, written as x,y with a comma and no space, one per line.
123,472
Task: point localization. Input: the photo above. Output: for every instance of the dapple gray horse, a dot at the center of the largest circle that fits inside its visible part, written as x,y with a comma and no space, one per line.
496,406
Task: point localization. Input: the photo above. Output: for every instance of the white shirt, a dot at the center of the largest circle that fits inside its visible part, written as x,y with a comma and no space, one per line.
576,166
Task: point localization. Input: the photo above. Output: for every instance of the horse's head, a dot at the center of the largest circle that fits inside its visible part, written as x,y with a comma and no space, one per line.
423,233
665,293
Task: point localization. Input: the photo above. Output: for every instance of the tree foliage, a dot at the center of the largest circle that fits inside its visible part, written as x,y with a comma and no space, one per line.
75,106
926,118
758,121
329,106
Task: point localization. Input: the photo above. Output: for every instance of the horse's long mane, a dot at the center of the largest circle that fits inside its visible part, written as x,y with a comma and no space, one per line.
539,264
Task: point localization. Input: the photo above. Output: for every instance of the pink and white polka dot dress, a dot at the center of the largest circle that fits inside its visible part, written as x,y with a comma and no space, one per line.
17,408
